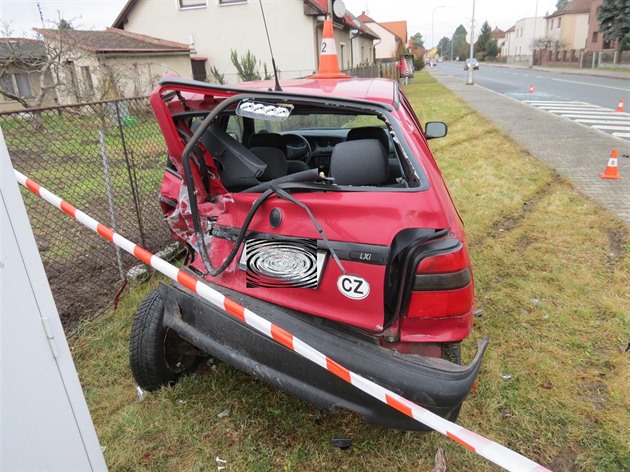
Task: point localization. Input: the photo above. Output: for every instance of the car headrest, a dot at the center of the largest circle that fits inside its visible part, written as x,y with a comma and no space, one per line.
361,162
270,140
369,132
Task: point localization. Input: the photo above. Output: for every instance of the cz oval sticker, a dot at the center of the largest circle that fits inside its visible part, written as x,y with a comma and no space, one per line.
353,286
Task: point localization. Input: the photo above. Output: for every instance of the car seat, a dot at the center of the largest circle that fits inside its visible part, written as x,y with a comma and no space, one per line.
361,162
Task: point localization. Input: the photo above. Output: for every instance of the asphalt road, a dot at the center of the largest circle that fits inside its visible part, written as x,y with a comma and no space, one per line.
585,99
515,82
575,151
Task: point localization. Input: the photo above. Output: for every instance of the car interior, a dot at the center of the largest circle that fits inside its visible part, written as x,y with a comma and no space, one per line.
346,149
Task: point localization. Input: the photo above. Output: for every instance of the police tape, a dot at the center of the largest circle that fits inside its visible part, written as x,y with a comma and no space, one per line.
486,448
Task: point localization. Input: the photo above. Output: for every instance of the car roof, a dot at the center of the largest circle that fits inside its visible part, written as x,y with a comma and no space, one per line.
374,90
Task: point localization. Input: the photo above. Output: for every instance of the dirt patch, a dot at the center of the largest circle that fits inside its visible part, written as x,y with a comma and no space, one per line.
617,240
509,222
566,461
596,392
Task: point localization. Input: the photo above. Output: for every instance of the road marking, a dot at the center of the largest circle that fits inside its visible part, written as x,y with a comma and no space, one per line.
589,116
592,85
604,119
603,122
614,128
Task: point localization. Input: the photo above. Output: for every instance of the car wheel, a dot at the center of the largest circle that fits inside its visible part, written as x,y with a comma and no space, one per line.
157,355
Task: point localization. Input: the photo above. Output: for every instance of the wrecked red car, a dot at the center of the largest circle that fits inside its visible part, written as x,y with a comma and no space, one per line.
320,208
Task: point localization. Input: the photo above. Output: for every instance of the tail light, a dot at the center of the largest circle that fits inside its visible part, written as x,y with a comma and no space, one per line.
442,286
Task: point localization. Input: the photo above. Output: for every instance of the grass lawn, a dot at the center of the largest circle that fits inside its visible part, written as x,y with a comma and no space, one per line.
552,275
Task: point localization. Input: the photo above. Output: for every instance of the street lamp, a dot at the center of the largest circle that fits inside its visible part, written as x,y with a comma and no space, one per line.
433,25
470,80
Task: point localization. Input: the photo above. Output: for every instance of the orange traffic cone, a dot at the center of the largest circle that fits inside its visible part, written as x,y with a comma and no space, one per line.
328,65
620,106
531,88
611,172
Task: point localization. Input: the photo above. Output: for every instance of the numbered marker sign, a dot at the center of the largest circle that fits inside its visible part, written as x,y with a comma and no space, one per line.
328,47
353,286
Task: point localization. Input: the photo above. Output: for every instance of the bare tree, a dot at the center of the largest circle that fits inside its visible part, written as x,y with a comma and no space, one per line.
43,58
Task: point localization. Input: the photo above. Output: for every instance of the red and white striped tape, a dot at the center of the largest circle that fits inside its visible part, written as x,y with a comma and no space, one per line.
492,451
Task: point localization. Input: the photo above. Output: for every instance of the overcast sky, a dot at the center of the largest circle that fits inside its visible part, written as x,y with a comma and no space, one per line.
446,15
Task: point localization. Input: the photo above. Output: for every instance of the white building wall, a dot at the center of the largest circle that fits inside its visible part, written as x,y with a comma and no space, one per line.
386,48
519,42
216,29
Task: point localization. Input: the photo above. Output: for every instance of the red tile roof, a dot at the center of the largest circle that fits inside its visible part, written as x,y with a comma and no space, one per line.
116,41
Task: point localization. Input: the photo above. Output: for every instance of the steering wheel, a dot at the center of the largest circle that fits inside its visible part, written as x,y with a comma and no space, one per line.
298,148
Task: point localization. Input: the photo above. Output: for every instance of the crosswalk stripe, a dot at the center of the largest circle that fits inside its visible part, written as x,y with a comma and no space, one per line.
608,116
614,128
603,122
605,119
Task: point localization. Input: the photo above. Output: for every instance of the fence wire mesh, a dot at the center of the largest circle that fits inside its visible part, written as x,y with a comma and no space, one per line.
107,159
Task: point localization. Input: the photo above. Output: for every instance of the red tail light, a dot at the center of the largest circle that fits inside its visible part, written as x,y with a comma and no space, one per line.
442,287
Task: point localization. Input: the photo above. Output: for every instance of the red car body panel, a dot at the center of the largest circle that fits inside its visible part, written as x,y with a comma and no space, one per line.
344,216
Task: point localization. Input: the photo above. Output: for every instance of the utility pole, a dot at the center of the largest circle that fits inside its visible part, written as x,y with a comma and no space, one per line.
470,80
531,63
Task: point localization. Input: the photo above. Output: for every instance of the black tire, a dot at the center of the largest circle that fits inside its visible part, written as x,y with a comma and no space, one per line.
157,355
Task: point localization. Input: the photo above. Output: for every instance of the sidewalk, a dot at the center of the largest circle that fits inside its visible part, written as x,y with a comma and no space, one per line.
578,153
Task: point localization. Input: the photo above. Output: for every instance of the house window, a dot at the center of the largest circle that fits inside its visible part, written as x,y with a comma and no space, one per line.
551,27
231,2
342,54
16,84
595,37
88,84
183,4
559,21
198,68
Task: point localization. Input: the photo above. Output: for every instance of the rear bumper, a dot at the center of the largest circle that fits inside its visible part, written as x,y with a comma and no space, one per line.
432,383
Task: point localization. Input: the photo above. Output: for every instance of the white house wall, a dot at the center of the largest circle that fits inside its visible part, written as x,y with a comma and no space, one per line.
386,48
138,76
519,42
216,29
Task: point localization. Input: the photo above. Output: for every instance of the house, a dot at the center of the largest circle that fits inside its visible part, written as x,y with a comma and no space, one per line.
21,60
569,25
393,37
96,65
595,40
499,36
216,27
520,37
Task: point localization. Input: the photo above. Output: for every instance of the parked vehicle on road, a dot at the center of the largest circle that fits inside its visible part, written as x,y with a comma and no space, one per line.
474,63
321,208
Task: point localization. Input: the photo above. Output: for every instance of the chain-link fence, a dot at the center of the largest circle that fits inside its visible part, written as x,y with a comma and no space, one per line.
107,159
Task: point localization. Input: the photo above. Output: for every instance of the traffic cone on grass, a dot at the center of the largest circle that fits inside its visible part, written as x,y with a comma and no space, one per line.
620,106
531,88
612,171
328,65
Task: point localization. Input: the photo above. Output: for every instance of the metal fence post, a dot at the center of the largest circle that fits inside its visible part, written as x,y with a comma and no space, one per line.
131,183
110,196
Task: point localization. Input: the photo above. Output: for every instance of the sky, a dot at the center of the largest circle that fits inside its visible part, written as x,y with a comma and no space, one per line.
421,15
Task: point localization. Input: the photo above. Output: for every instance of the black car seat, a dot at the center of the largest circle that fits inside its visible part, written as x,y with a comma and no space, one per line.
275,160
361,162
376,132
275,140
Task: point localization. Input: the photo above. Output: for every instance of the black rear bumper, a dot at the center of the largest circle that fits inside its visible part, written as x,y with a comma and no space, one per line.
435,384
